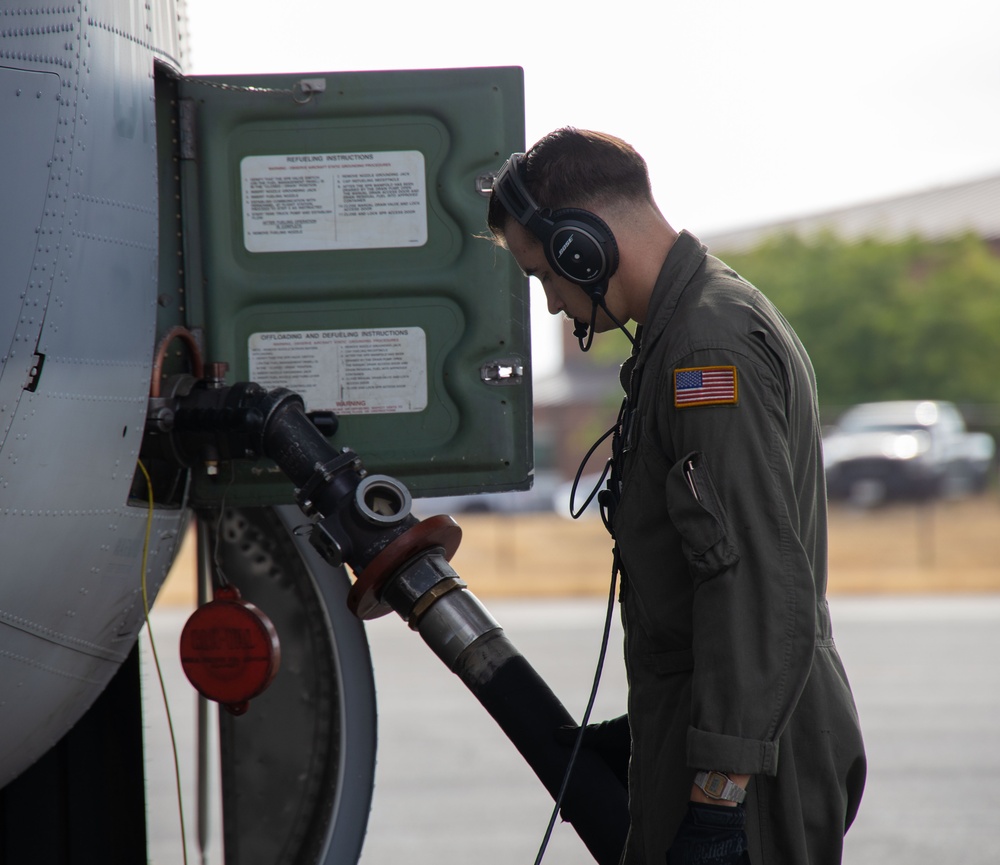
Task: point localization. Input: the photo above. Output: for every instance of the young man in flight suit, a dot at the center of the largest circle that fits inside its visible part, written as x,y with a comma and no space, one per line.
746,745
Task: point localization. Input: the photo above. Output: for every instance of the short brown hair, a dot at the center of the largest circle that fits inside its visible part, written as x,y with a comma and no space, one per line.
576,168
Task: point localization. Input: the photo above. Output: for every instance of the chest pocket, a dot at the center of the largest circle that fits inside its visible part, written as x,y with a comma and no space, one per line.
700,518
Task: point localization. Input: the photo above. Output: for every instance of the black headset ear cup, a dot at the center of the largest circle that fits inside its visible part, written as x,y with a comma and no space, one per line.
581,247
578,244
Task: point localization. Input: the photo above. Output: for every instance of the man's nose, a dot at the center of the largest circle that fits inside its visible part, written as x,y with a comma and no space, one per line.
554,304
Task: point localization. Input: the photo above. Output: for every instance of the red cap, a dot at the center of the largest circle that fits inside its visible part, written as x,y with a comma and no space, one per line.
230,650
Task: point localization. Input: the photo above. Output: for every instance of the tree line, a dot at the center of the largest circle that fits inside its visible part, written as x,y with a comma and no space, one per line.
882,320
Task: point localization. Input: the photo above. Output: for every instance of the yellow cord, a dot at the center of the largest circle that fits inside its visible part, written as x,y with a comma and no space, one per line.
156,658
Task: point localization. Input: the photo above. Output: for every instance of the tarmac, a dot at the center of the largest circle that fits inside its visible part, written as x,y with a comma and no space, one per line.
450,788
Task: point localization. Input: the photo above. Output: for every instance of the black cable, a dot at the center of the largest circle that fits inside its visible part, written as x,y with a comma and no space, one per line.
573,512
586,715
601,303
608,503
584,332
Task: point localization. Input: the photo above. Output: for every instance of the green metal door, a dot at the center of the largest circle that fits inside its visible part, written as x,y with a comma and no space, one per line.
335,244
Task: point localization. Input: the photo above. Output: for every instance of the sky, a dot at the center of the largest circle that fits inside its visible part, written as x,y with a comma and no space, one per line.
746,112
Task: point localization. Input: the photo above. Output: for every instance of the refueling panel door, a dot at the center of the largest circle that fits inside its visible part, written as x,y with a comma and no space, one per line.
336,244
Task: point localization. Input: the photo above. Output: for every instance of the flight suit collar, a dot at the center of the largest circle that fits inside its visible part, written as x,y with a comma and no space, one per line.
683,260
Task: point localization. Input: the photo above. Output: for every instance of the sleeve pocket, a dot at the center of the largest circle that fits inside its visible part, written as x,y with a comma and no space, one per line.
699,517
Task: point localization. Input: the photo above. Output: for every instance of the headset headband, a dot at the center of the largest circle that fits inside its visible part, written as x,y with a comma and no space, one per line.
513,195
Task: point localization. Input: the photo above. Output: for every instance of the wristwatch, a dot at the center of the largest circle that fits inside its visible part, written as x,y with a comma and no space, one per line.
715,785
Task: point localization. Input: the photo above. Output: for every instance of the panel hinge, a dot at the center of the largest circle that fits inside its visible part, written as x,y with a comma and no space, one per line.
186,120
304,89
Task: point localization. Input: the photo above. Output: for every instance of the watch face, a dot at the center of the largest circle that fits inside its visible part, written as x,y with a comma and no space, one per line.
715,784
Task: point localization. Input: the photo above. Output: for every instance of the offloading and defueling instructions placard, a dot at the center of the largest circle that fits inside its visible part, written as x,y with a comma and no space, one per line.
351,371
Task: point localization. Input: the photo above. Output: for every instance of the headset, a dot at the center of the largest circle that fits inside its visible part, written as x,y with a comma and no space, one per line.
578,244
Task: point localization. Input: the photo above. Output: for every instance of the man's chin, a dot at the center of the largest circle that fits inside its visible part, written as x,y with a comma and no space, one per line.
602,323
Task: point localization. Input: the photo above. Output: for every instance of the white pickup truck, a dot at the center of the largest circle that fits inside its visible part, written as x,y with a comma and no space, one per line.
909,449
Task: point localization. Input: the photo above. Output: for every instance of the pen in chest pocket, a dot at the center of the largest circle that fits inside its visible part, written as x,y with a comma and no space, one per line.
692,482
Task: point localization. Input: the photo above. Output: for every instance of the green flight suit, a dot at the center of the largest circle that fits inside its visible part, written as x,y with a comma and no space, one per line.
721,530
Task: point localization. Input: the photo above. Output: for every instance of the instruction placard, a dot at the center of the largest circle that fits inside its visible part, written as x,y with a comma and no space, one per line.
325,201
351,372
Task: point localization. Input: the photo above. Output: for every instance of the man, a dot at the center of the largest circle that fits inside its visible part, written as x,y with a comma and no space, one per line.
746,745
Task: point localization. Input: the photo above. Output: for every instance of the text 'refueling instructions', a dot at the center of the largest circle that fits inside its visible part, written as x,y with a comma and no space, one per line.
330,201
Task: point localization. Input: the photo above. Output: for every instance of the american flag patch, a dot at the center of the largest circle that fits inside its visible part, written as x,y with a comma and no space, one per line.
705,385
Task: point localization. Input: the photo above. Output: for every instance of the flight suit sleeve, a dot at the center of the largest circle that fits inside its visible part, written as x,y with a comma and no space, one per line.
734,500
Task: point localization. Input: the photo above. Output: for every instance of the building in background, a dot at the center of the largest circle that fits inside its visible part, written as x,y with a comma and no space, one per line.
933,214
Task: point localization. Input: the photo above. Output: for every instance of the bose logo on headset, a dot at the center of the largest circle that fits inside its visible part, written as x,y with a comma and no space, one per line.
578,244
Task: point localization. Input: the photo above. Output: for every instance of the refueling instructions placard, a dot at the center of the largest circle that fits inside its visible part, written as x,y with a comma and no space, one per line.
352,371
325,201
